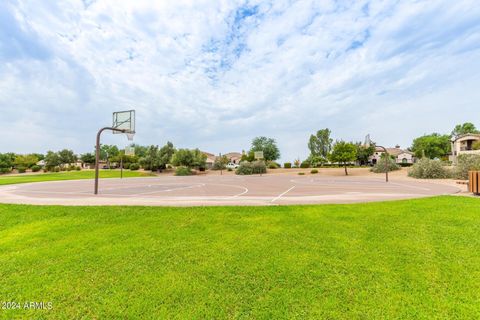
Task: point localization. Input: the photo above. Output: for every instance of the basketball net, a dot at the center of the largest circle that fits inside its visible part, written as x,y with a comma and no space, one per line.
130,136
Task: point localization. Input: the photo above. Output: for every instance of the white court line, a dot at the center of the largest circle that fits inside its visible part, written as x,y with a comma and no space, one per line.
240,194
168,190
245,189
281,195
365,185
409,186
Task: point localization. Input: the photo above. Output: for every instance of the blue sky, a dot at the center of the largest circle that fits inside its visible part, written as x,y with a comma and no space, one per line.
214,74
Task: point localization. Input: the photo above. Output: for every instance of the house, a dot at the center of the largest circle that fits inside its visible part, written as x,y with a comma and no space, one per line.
41,163
464,144
210,159
401,156
234,157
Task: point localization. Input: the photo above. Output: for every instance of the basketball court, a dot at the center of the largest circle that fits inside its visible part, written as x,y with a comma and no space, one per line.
202,190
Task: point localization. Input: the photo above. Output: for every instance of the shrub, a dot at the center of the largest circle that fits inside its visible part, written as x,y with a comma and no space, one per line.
78,168
296,163
316,161
134,166
70,168
429,169
272,165
314,171
245,168
259,167
305,164
61,169
301,173
57,169
21,169
229,169
287,165
465,163
126,165
256,167
220,163
5,170
36,168
405,164
381,166
476,145
183,171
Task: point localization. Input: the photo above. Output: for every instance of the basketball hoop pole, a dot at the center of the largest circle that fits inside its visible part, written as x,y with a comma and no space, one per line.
97,153
121,166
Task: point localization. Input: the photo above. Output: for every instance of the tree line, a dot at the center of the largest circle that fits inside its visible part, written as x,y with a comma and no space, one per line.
437,145
322,149
148,157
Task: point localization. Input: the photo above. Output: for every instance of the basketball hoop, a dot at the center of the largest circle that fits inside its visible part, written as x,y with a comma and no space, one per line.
123,122
130,135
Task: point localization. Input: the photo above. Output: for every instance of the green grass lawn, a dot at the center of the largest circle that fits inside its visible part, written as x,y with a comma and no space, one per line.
413,259
69,175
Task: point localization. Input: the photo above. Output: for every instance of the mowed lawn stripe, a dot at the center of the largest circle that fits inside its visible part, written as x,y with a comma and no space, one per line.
413,259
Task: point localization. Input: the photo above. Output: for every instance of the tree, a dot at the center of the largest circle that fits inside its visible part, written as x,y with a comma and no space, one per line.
297,163
220,163
432,146
108,152
183,157
316,161
140,151
66,156
250,156
52,160
364,152
165,155
88,158
268,146
343,153
25,161
6,162
199,159
189,158
465,128
39,156
152,157
320,144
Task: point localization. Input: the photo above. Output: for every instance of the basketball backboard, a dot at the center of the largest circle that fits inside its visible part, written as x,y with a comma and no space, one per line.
129,151
124,120
258,155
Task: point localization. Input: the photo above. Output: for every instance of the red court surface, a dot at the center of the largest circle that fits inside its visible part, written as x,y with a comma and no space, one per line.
222,190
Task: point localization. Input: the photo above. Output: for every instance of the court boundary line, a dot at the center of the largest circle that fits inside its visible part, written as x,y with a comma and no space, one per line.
282,194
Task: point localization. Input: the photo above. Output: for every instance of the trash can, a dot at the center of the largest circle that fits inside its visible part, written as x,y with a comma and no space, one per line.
474,182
